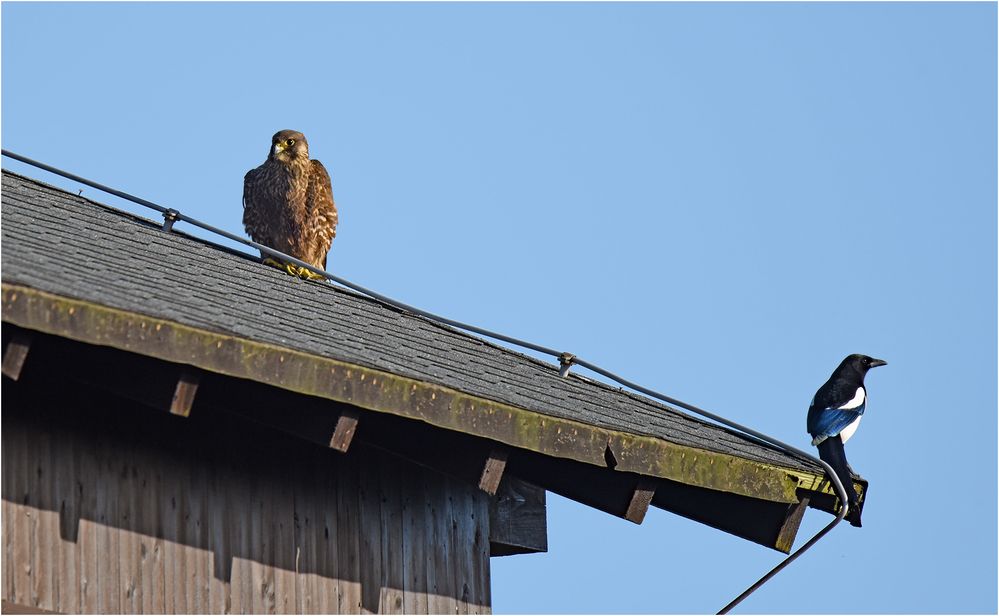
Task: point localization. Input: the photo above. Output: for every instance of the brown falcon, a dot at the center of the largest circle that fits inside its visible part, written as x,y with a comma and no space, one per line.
288,204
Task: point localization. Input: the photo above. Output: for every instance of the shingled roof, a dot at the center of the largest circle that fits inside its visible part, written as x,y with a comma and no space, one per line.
76,268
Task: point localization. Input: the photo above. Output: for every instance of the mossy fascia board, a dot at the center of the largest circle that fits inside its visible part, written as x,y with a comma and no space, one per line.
381,391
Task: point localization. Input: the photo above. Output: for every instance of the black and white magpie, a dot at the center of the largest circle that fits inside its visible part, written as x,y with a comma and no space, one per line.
834,415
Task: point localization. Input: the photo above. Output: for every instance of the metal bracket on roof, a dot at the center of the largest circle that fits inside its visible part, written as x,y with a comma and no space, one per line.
565,361
170,216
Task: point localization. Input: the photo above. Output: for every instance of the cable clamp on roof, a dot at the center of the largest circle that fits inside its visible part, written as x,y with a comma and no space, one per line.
565,361
170,216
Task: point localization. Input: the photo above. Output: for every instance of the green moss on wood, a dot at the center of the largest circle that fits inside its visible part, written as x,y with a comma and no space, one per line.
381,391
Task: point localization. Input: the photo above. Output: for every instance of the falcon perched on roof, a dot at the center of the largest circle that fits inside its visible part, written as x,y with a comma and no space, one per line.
288,204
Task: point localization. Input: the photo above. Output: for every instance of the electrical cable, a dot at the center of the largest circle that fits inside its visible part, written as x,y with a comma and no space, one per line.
566,360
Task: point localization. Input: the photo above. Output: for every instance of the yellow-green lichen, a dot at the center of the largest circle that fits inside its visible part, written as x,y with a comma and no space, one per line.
390,393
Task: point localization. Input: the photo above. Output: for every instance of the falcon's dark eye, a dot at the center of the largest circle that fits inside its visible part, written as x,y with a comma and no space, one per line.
290,142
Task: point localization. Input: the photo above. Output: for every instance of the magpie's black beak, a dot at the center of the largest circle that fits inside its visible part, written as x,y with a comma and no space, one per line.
878,362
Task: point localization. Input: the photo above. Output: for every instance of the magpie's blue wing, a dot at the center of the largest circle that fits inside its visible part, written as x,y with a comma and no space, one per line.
830,422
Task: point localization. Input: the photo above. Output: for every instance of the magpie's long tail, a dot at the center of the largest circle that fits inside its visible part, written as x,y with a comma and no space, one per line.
833,453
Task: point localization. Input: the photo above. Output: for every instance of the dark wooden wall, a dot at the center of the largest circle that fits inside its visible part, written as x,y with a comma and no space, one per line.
110,507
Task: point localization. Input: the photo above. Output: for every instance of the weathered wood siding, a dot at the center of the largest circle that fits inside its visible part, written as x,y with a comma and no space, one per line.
110,507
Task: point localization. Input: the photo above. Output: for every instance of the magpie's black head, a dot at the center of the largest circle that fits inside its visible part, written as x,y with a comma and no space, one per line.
859,364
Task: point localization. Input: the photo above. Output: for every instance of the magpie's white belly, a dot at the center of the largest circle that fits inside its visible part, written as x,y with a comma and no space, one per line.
848,431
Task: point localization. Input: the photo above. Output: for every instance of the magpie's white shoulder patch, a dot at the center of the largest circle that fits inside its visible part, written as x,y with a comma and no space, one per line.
857,400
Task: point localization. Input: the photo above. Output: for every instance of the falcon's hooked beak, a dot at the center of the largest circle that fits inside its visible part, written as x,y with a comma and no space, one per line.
279,147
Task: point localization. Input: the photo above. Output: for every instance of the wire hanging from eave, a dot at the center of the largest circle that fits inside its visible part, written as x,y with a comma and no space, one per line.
566,360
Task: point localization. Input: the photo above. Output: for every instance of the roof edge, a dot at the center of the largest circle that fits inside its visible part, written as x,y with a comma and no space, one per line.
385,392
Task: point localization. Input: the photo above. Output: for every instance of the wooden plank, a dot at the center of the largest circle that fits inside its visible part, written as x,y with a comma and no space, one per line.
65,467
46,539
440,572
392,475
174,503
645,489
518,521
16,353
492,471
370,538
343,433
184,543
348,533
109,469
126,528
150,523
40,571
245,519
416,548
303,522
481,600
327,533
753,519
252,573
89,473
462,529
196,525
183,395
436,562
224,532
787,533
263,540
22,519
8,468
286,556
6,519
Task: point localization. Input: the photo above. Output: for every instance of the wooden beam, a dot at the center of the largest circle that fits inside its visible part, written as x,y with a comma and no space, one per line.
183,395
387,393
492,471
785,538
756,520
645,489
518,521
343,432
600,488
16,353
153,383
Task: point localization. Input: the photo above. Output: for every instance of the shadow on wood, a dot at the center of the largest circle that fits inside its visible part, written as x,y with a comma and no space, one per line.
240,516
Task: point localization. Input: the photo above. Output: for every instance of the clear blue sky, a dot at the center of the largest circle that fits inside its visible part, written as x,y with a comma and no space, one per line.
719,201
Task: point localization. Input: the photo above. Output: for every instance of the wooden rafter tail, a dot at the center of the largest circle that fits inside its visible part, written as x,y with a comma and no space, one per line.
641,498
492,470
15,354
343,432
789,530
183,395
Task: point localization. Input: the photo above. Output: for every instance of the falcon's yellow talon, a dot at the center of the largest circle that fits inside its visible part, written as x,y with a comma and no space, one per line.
309,275
293,270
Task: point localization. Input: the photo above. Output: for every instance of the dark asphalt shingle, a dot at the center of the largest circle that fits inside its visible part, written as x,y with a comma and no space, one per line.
58,242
